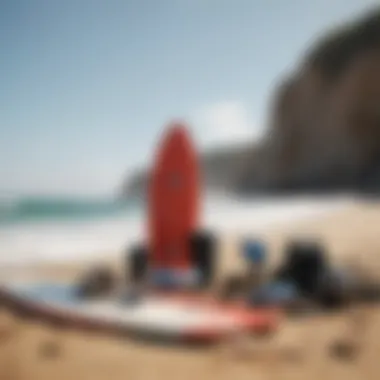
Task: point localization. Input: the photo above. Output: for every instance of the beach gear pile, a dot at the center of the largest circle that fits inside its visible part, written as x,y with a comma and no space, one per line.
306,274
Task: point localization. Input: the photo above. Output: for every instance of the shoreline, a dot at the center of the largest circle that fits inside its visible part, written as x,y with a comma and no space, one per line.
84,241
328,226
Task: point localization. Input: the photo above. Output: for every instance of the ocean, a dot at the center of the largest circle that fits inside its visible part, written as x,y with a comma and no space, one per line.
38,230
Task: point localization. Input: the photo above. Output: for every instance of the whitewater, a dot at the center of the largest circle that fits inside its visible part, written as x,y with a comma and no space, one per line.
83,235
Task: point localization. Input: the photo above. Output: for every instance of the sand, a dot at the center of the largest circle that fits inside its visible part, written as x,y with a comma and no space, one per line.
300,350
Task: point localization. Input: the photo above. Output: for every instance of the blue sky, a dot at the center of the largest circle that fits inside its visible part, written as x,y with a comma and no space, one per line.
86,86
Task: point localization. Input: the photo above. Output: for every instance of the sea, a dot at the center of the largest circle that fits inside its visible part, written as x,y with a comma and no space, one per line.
35,230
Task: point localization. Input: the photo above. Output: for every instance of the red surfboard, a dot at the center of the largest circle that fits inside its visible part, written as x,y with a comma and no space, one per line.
173,199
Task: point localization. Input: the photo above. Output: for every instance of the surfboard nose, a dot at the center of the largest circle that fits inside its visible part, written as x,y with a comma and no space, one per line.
178,130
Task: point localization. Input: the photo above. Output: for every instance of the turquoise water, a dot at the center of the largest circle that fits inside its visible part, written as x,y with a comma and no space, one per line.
35,209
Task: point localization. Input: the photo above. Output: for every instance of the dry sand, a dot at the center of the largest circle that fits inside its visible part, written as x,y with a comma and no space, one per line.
300,350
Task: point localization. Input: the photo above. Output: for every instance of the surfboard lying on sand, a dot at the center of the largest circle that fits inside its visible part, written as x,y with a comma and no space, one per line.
163,317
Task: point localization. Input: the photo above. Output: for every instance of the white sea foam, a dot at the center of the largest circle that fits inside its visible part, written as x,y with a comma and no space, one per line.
57,241
83,240
226,215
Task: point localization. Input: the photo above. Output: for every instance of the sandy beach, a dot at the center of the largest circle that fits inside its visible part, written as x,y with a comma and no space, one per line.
300,350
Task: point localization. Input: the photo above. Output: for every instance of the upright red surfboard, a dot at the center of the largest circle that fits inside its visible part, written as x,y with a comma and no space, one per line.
173,199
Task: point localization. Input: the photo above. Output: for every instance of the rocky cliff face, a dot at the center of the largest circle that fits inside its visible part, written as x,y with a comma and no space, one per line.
324,126
325,123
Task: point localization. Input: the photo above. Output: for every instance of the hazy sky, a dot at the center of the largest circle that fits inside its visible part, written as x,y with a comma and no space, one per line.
86,86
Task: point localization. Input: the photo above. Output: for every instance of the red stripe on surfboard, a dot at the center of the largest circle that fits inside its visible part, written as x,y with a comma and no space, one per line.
60,319
251,319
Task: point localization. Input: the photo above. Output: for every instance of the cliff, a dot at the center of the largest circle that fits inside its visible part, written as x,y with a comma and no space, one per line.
325,122
323,130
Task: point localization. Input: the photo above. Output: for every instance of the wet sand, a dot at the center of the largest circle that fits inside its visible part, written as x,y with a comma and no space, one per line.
300,350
